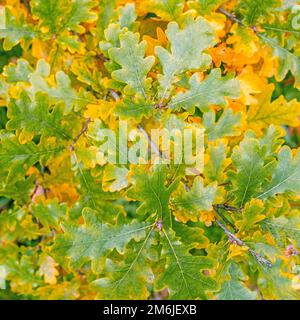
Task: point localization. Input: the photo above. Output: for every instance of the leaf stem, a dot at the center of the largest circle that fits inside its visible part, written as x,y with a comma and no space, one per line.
230,16
114,94
231,236
82,131
218,211
27,6
153,145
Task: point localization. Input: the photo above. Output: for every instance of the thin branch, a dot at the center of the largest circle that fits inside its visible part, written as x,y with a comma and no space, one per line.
254,28
153,145
82,131
231,236
217,208
27,6
114,94
230,16
228,207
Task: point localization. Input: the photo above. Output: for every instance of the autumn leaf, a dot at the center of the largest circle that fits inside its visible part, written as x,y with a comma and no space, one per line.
183,271
152,192
180,60
277,112
188,204
200,95
107,191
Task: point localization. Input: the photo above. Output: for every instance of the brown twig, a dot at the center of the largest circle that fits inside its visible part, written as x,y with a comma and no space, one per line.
154,147
27,6
82,131
230,16
228,207
238,21
217,209
114,94
232,237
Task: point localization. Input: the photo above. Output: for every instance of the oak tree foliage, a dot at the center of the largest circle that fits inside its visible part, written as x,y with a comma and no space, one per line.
74,226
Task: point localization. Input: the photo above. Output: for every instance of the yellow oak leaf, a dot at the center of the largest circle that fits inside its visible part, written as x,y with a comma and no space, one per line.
161,40
67,290
236,250
278,112
251,84
86,155
207,217
114,178
232,60
101,110
64,192
39,49
236,105
244,40
48,269
269,65
222,54
218,21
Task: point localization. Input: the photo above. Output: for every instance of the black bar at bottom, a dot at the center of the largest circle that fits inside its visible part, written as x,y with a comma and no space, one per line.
135,309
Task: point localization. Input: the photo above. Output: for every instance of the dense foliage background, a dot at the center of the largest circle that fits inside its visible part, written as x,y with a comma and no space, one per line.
75,227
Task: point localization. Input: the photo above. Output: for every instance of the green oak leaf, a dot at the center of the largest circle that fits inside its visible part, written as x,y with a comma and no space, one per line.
274,284
34,117
16,158
11,190
288,61
272,139
18,72
249,161
152,192
50,214
183,272
114,178
106,13
189,203
81,11
235,289
134,109
283,228
126,21
64,92
92,193
50,13
61,92
22,268
166,9
59,15
214,169
226,126
127,16
93,240
205,7
12,30
253,10
129,278
212,90
134,67
190,235
285,177
251,215
186,51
